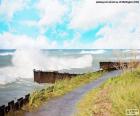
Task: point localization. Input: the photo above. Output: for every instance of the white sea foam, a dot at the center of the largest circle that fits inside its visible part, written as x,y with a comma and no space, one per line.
24,61
131,51
93,51
5,79
6,54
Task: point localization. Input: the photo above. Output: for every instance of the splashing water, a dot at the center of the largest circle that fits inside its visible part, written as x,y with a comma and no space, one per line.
24,61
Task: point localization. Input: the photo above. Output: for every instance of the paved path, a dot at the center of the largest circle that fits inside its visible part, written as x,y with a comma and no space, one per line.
65,105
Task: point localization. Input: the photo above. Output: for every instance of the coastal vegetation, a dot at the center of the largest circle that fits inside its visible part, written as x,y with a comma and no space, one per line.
60,87
113,98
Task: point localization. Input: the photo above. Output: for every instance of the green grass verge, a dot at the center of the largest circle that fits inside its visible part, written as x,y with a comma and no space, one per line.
60,87
113,97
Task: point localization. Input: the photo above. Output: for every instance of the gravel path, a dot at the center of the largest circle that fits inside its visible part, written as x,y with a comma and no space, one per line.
65,105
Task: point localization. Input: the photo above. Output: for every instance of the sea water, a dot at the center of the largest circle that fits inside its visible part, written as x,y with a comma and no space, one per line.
16,66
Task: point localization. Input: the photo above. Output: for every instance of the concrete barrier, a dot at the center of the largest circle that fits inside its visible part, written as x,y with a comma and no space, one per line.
11,104
20,101
51,77
2,110
7,109
17,106
14,106
118,65
26,99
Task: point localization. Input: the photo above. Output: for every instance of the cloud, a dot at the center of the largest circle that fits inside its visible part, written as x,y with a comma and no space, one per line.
9,7
119,38
122,40
10,41
121,24
29,23
124,32
51,12
121,21
73,43
87,13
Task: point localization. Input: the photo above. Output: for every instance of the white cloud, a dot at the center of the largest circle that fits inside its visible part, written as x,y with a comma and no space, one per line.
88,13
9,7
120,37
73,43
122,29
51,12
8,40
124,33
29,23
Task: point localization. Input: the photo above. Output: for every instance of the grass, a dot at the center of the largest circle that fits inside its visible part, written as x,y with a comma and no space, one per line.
60,87
113,97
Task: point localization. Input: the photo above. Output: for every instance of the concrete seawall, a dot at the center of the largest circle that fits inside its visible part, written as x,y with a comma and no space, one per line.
66,104
118,65
51,77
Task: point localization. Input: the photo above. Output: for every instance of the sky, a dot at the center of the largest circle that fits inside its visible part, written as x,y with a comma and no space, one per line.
68,24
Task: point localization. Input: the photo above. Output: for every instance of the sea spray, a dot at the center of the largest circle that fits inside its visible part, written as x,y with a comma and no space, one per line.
24,61
93,52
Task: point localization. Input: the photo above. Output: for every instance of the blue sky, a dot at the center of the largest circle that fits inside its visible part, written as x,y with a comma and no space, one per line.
68,24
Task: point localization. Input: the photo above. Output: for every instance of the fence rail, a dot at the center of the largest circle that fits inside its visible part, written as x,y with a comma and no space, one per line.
14,106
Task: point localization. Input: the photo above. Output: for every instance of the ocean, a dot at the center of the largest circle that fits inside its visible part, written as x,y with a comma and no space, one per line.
16,66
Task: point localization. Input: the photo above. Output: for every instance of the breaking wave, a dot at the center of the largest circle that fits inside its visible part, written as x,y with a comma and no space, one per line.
132,51
24,61
6,54
93,51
